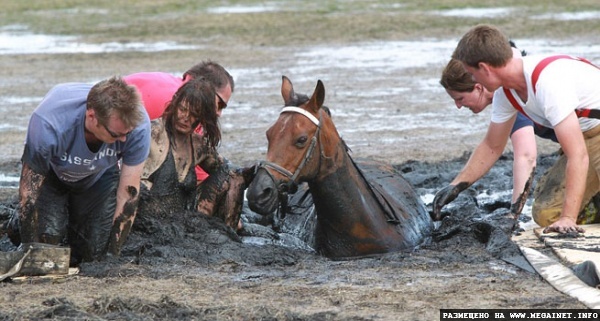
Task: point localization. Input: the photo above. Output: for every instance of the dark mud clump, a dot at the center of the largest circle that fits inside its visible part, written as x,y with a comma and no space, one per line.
186,243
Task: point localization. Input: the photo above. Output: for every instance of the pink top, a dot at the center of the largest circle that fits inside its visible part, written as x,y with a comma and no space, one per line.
156,90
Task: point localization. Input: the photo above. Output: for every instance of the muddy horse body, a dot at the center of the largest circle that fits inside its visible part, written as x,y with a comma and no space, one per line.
361,210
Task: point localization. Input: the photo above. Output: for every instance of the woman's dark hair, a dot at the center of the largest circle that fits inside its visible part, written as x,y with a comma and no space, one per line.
198,96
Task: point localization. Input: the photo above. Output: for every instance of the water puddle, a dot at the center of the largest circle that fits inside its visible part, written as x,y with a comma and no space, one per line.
7,181
18,40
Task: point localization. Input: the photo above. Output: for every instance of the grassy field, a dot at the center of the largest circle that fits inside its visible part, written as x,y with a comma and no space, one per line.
250,34
297,21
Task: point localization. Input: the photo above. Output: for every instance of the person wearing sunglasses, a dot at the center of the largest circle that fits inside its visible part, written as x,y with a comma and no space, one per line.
81,167
169,178
157,89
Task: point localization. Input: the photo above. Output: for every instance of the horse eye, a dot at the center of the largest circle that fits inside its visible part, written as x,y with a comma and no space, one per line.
301,141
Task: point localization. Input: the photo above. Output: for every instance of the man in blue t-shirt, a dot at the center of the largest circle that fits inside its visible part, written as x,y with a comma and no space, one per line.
84,153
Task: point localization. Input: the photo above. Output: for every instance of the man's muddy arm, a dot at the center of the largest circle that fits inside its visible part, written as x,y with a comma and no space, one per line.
29,190
517,207
128,193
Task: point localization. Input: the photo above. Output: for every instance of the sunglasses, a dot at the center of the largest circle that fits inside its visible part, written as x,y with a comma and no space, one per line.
222,103
113,134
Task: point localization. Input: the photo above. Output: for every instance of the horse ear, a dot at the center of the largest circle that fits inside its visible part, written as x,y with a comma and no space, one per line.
318,97
287,91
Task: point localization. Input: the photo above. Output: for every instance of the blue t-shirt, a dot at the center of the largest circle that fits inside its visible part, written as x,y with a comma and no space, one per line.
539,130
56,139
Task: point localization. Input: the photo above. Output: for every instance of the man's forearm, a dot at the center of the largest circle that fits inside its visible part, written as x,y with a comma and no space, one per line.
574,189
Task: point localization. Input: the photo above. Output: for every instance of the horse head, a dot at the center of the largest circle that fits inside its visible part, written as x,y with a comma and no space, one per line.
298,142
361,209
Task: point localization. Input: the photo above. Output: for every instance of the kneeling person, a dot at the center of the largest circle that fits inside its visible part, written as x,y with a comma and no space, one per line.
72,188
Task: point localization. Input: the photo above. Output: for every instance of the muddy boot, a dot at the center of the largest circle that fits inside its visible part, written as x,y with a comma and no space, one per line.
586,272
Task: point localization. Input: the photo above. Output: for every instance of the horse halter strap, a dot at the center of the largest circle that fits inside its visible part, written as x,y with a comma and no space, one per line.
303,112
307,155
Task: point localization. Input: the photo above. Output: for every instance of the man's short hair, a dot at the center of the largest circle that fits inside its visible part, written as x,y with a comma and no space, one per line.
483,43
114,96
213,73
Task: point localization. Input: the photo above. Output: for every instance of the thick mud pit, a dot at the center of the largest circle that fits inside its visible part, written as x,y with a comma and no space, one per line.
195,268
380,63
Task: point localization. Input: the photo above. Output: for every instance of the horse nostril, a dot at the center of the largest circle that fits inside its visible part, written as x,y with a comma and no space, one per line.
266,193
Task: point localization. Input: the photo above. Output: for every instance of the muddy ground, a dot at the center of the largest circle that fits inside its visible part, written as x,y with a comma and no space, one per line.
194,268
191,268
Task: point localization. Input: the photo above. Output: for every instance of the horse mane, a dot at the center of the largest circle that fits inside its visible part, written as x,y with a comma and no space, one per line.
346,147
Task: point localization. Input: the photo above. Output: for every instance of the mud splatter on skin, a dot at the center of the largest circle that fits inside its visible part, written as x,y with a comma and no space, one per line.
30,201
517,207
29,188
123,222
222,195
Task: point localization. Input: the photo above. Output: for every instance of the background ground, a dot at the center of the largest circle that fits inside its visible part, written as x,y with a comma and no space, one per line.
269,283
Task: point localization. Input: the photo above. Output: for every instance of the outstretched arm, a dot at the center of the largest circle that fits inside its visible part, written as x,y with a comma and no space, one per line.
480,162
524,162
486,154
525,154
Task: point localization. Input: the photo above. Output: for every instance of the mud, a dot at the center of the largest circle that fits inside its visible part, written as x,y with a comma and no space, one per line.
389,108
194,267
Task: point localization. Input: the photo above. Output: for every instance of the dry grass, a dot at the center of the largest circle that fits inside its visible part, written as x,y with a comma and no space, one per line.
295,22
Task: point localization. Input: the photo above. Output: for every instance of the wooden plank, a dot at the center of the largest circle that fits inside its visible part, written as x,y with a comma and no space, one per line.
41,279
574,250
562,278
45,259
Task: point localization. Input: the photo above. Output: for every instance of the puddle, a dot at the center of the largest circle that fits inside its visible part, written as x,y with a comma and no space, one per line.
569,16
17,40
7,181
476,12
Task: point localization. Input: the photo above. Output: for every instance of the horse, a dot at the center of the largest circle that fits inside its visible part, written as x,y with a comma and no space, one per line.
361,211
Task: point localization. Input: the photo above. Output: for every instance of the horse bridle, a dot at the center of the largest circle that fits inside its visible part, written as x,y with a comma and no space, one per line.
291,185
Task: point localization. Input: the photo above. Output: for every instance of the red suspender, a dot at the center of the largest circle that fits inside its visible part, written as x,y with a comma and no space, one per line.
534,78
541,65
513,101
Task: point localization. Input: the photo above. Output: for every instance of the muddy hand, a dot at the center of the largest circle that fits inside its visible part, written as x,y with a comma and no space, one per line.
563,226
517,207
247,173
445,196
122,224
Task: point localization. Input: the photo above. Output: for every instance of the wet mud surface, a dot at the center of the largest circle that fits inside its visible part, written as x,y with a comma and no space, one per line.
196,268
190,267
